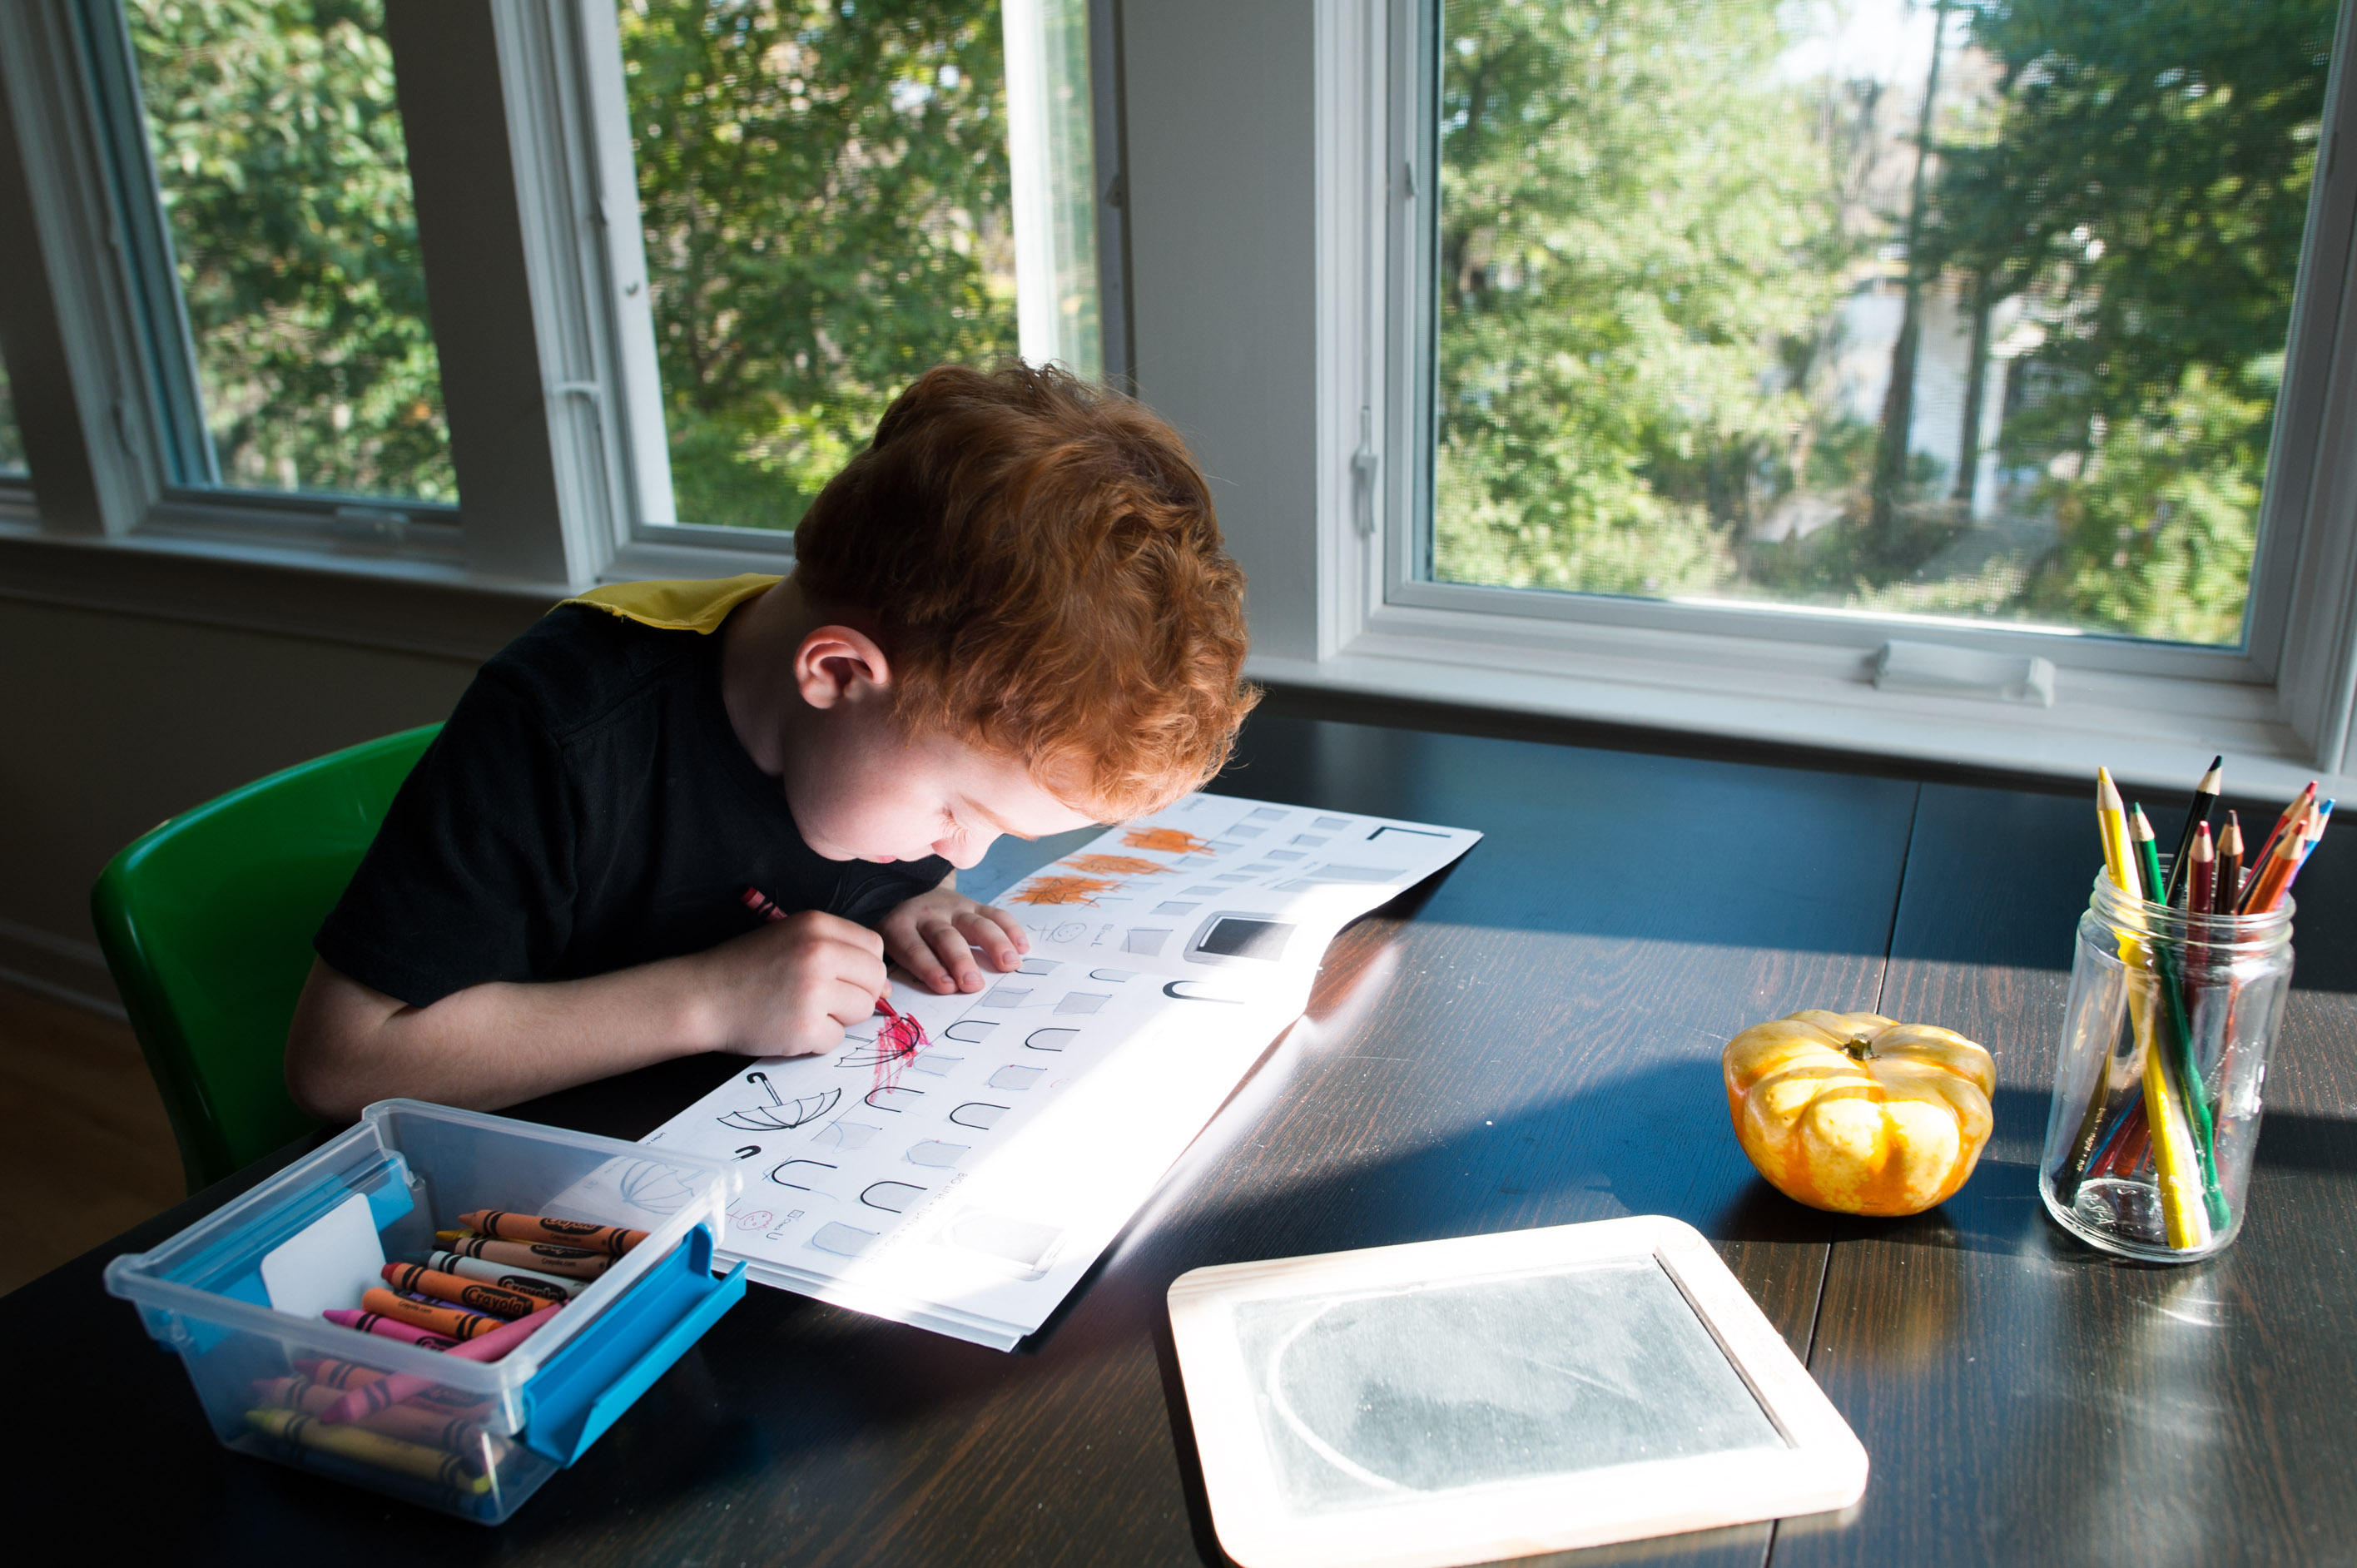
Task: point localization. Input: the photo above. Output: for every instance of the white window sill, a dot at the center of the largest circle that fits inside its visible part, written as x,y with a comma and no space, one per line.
2152,732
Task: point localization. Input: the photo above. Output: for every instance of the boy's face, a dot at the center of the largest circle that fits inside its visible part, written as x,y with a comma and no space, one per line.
865,791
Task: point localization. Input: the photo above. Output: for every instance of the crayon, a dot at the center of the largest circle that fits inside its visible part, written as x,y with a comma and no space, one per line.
369,1448
460,1291
490,1346
295,1393
470,1440
612,1240
385,1327
459,1429
337,1374
570,1262
507,1276
453,1322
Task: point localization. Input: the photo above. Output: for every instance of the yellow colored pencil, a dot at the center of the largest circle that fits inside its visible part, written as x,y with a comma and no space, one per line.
2182,1215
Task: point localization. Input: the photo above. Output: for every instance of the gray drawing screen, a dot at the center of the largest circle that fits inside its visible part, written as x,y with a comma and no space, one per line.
1366,1399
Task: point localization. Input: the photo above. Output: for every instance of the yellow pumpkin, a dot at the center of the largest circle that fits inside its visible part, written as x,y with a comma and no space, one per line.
1856,1114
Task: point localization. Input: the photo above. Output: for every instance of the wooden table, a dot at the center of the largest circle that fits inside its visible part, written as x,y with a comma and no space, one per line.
1531,1039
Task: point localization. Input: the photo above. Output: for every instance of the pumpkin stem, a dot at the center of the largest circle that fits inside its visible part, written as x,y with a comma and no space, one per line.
1859,1048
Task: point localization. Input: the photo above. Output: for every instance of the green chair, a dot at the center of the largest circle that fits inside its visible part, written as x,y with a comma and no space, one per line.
207,924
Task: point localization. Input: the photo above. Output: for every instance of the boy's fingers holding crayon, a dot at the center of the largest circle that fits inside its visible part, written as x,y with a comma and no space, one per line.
790,988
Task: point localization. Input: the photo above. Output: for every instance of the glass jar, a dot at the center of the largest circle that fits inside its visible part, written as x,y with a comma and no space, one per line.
2165,1046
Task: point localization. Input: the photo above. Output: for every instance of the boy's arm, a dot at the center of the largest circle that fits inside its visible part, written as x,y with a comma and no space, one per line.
788,989
935,934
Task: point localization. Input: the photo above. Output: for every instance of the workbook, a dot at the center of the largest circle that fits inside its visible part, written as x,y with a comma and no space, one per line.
966,1183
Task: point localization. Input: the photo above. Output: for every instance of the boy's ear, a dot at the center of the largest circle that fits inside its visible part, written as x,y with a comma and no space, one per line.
839,663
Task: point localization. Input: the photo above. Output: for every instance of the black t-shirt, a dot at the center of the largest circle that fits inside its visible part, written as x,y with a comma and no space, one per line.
587,807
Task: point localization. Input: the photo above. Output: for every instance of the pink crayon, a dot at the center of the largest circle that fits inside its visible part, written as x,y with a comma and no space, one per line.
389,1328
371,1397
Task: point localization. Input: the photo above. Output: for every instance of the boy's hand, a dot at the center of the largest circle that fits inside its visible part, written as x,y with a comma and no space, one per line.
793,986
933,935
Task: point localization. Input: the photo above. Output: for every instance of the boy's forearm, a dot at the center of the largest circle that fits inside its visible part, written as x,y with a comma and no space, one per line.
491,1044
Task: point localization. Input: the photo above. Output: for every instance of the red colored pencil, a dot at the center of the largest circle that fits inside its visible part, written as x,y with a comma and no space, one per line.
2256,863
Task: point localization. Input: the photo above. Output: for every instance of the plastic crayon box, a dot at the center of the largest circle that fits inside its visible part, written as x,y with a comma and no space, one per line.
463,1437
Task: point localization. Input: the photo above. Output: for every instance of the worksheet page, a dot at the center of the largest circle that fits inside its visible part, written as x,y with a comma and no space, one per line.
966,1181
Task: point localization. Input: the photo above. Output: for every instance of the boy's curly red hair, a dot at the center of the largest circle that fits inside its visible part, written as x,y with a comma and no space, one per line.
1047,573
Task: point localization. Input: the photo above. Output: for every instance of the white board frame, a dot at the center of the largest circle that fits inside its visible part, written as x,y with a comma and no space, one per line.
1823,1465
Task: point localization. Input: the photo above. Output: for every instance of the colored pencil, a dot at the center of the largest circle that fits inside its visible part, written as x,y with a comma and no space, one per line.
2119,864
2148,856
2256,862
2205,800
2179,1118
2201,880
2271,875
2110,820
2230,866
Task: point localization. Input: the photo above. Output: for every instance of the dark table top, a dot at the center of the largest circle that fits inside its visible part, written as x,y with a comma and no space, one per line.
1530,1038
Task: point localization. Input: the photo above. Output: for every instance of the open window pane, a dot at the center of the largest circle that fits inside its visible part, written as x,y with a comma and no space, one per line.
12,440
278,152
828,212
1958,309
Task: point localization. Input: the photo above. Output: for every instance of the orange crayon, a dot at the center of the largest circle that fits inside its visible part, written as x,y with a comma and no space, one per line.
418,1280
337,1374
612,1240
453,1322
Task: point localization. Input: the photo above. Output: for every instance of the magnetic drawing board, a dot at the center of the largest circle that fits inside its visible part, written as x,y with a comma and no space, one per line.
1492,1396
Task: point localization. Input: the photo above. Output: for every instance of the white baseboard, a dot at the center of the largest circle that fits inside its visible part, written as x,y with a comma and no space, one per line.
64,969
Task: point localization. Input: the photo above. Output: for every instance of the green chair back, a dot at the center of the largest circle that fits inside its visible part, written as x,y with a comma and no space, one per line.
207,924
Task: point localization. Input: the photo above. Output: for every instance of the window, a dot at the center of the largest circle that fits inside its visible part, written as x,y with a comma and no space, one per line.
12,445
284,299
828,209
1966,311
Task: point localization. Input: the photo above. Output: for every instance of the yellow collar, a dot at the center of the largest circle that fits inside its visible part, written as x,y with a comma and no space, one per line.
697,606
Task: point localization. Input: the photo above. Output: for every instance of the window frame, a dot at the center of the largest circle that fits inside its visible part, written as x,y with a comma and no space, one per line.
2294,672
100,328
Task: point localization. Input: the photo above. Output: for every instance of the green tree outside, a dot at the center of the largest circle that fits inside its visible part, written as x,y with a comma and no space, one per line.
278,152
826,197
1648,218
1631,218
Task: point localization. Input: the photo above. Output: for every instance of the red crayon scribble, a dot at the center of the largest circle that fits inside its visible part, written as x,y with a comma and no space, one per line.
901,1037
1064,890
1114,866
898,1042
1164,841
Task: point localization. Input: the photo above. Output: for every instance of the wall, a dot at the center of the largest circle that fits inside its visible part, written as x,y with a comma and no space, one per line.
116,721
1220,96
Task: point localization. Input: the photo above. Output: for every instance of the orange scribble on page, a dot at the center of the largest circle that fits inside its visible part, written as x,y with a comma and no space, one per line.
1165,841
1114,866
1063,890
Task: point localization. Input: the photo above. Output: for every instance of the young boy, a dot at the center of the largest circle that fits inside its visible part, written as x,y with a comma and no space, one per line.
1012,613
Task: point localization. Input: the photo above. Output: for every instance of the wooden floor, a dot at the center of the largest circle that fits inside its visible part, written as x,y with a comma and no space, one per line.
87,1152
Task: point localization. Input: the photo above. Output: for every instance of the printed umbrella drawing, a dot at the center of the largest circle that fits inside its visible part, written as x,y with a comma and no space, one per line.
783,1118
